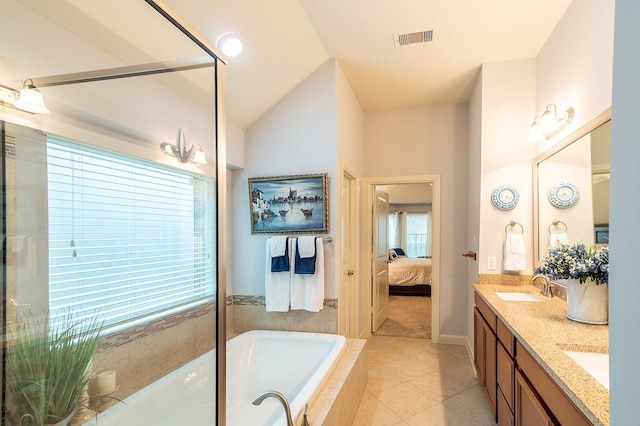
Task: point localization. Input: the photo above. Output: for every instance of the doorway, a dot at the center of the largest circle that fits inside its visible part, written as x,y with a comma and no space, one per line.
415,302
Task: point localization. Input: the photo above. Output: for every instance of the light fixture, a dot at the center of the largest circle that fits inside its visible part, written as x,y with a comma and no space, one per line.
549,123
229,44
182,151
29,98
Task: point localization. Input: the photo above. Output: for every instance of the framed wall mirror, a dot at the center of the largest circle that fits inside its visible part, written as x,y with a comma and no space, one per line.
571,188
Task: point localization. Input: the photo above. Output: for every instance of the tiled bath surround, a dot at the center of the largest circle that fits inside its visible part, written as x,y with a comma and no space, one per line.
144,353
249,313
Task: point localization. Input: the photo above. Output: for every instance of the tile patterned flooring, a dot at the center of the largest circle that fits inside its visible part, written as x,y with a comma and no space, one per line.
416,382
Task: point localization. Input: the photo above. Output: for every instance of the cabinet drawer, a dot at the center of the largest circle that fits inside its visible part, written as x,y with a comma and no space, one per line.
505,337
563,409
505,415
506,375
486,311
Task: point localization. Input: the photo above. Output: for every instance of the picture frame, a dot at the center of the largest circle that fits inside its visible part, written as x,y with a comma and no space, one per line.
601,234
295,204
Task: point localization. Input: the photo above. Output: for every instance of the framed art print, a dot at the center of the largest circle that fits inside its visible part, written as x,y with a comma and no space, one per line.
289,204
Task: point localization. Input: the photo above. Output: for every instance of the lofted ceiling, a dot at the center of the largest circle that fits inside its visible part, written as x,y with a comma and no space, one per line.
286,40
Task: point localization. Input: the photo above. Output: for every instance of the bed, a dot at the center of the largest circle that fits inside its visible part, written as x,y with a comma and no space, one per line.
410,276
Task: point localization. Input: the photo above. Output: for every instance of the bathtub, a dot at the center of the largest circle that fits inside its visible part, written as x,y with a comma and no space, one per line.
293,363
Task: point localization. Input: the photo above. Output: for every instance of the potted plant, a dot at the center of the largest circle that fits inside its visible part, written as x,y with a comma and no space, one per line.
48,366
586,271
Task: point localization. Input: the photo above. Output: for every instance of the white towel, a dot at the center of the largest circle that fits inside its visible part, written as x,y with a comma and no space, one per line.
514,257
277,285
307,246
557,239
307,291
277,246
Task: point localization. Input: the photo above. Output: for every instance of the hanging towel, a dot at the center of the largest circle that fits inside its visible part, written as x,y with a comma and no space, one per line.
279,254
514,258
557,239
305,263
307,290
307,246
277,285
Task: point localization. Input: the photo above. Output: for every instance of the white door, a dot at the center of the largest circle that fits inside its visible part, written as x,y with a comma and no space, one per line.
380,261
348,306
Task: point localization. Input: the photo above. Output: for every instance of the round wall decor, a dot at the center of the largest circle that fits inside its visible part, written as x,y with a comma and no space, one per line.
564,194
505,197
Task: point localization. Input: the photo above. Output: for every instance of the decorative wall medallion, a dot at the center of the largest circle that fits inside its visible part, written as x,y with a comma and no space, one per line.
564,194
505,197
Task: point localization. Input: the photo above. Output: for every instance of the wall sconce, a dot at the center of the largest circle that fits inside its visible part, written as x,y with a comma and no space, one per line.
183,152
549,123
29,98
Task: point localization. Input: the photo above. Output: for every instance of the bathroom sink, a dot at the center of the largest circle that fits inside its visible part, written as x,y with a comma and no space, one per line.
518,296
595,363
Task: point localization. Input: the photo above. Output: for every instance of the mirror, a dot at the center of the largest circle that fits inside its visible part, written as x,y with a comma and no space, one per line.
571,188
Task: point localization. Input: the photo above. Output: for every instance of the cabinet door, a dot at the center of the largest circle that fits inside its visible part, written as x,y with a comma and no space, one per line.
506,378
505,416
490,380
478,345
530,411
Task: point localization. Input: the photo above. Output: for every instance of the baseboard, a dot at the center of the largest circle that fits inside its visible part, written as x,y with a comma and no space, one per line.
448,339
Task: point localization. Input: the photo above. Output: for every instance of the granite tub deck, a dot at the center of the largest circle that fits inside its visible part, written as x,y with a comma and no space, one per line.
545,331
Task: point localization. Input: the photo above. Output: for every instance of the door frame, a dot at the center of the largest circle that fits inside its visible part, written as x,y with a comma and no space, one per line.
369,185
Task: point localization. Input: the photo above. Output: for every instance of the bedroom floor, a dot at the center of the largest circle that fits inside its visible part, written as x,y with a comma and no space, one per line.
416,382
409,316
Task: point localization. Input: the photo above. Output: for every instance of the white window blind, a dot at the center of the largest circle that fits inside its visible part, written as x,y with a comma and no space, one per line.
127,238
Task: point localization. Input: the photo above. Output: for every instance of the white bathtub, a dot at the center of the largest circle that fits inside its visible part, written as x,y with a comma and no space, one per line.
292,363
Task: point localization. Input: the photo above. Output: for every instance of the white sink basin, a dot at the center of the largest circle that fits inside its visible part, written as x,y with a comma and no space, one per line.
596,364
518,296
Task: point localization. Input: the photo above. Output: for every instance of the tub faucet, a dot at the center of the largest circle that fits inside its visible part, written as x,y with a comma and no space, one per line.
546,285
280,397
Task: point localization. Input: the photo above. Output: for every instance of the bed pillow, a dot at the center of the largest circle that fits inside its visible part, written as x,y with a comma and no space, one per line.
400,252
392,255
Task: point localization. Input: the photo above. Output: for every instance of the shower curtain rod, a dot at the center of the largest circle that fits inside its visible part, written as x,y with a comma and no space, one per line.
123,72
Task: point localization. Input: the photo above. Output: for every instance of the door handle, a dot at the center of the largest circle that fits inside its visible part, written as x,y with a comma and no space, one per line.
470,255
350,272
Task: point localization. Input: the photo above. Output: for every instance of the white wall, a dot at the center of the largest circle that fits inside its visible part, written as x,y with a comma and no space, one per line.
235,147
508,90
422,141
297,136
624,295
350,149
575,65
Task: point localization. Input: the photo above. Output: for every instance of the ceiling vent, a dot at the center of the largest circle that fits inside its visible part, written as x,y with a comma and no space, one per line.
409,39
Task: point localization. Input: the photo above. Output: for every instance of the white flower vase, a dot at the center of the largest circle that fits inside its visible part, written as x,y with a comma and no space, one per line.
587,303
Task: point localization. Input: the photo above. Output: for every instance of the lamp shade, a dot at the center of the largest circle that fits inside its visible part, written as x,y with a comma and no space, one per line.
31,100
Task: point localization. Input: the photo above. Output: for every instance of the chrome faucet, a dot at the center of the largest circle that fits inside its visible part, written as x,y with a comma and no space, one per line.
546,285
280,397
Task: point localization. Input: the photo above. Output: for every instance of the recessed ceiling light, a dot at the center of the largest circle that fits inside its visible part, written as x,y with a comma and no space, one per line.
229,44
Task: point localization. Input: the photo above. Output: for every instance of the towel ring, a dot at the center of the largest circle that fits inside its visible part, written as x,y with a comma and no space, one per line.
556,222
512,224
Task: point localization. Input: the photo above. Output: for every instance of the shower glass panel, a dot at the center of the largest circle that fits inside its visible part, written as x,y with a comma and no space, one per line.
102,229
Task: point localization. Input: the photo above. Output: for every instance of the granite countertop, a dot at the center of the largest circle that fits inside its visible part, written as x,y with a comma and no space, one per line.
545,331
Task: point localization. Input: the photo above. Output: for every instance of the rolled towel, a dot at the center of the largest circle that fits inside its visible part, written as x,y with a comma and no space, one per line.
305,265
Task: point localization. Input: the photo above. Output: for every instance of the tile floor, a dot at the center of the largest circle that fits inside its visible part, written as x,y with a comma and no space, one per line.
418,383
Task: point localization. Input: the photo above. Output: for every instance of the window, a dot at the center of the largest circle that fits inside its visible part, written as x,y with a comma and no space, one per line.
417,232
127,238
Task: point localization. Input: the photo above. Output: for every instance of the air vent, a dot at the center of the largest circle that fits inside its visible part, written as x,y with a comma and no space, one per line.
408,39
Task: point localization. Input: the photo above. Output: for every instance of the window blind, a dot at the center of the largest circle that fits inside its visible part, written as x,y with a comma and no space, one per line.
127,238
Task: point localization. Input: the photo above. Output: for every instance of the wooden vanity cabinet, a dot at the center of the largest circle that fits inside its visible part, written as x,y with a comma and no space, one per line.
505,366
518,389
485,351
555,400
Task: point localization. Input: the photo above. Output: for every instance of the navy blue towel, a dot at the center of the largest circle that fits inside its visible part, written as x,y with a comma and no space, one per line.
281,263
306,265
